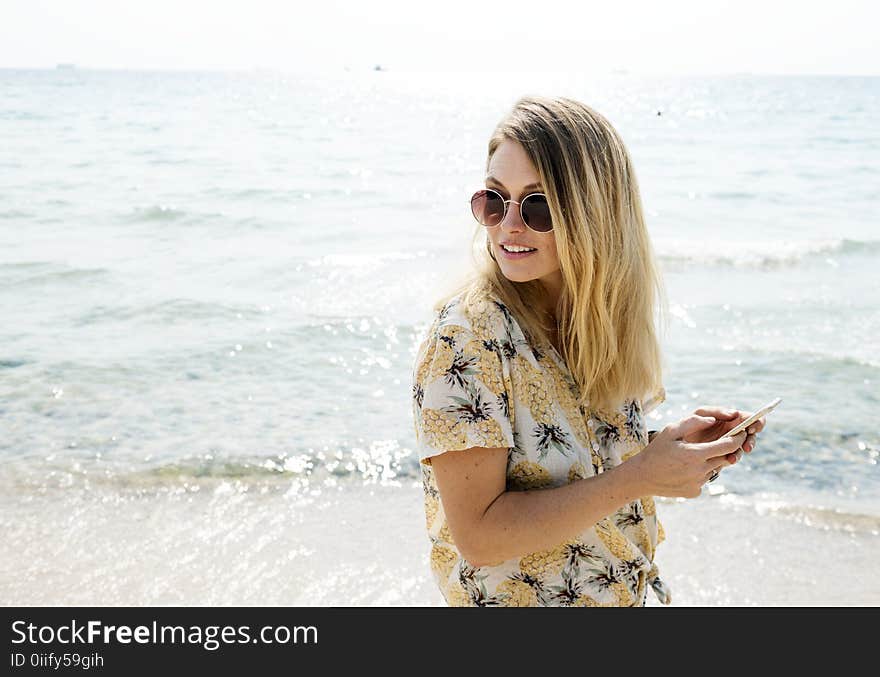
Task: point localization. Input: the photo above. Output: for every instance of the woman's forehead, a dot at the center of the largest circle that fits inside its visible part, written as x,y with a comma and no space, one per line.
510,167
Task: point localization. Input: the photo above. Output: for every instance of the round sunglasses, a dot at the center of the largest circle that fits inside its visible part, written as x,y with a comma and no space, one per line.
489,209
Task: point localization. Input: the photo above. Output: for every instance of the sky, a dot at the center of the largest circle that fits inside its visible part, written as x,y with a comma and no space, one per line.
670,36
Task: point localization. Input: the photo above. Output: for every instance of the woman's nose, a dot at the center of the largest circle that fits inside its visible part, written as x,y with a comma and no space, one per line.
512,219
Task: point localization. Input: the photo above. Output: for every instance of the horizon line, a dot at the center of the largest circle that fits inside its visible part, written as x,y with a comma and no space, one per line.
381,68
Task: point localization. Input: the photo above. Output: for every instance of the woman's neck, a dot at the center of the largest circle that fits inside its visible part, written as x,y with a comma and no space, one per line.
552,284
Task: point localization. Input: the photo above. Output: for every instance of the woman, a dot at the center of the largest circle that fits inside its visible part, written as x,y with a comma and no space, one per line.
530,390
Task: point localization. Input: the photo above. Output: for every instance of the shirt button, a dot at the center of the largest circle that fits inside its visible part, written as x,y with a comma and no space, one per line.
591,423
595,445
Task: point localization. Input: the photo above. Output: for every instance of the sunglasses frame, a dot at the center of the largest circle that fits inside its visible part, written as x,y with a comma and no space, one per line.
506,204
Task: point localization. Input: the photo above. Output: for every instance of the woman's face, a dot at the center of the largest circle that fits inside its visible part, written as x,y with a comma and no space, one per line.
512,174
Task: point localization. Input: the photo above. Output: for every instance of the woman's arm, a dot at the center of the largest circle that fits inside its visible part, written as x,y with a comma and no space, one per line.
490,524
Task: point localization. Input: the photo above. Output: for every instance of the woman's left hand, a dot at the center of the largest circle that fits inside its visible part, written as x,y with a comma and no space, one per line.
726,419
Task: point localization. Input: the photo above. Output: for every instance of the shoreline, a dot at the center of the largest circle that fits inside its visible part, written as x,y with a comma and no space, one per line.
238,545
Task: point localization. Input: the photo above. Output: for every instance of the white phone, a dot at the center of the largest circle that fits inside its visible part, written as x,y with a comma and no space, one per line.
766,409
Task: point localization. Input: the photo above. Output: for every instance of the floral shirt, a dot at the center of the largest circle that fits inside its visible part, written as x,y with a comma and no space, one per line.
478,382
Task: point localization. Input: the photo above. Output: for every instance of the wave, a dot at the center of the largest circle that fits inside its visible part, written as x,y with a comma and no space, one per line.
37,273
160,213
16,214
816,516
307,474
20,115
163,311
810,358
25,265
841,140
735,195
356,260
13,363
785,354
756,253
383,462
170,214
288,196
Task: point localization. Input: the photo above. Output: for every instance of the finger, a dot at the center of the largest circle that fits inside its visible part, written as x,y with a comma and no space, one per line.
690,424
722,446
722,461
734,457
757,426
720,413
712,473
749,444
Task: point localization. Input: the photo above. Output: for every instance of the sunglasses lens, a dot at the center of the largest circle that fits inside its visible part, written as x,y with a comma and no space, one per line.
488,207
536,213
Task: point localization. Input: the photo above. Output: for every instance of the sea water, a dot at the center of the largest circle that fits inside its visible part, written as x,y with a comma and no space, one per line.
213,286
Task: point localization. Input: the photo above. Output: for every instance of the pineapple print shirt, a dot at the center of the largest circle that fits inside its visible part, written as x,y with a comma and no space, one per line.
477,381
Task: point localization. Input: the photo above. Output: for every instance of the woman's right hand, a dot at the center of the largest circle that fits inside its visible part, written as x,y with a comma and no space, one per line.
669,466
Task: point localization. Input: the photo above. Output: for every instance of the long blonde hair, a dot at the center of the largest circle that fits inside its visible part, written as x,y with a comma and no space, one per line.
611,281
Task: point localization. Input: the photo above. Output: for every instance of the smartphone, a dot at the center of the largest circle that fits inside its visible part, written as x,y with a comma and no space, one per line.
766,409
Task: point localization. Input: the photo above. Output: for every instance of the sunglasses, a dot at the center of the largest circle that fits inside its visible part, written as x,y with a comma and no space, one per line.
490,208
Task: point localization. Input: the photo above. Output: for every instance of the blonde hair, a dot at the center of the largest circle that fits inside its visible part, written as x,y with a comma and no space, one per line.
611,281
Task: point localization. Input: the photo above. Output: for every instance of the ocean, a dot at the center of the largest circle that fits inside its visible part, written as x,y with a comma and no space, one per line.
213,286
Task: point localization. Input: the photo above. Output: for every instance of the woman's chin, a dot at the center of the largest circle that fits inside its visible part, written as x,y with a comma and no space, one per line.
517,275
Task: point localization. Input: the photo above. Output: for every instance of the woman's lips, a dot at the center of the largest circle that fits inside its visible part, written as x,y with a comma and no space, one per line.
515,255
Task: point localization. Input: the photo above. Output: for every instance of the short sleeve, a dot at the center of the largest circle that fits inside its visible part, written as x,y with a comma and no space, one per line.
653,400
460,393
